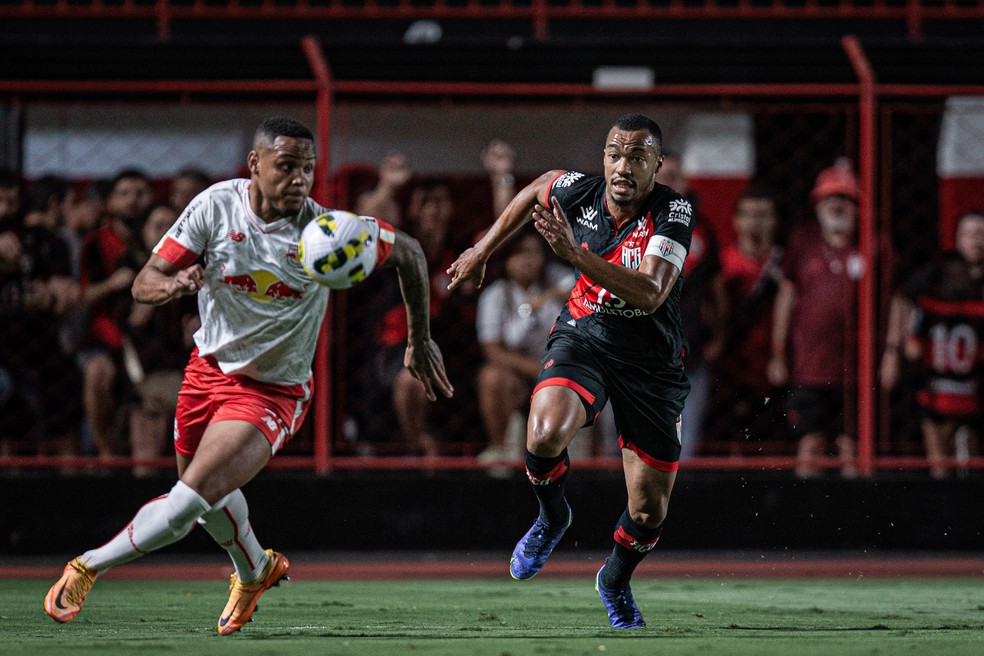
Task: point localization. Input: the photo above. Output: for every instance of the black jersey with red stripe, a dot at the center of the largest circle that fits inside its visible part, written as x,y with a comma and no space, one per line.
664,227
950,334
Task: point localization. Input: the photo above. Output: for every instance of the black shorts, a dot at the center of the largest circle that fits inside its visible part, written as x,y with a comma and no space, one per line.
943,399
646,398
817,410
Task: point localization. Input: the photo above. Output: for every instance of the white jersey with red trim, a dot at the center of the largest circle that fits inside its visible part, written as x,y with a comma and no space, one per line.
261,313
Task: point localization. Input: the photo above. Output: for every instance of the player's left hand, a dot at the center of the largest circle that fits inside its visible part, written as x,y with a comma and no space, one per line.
187,281
553,225
425,363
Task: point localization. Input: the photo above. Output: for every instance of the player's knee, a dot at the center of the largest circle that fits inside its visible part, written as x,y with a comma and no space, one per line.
556,414
547,439
184,507
649,512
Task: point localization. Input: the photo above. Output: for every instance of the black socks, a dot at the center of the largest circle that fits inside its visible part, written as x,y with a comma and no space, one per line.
632,543
547,476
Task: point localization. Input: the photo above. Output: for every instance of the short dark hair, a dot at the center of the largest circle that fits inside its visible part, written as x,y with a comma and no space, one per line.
10,179
44,189
153,207
430,185
760,192
198,175
129,174
976,211
281,126
100,189
633,122
425,190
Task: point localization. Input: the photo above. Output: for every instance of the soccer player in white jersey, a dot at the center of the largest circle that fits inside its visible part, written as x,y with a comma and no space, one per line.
247,385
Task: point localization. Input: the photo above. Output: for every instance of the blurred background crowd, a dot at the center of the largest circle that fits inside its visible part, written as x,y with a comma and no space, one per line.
772,283
769,314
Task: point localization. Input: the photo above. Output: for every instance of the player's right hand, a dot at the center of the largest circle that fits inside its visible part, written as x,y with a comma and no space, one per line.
553,226
470,265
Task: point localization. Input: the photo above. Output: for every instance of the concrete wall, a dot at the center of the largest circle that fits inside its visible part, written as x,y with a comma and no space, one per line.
469,511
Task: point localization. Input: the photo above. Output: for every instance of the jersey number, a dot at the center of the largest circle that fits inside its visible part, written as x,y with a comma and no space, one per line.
605,296
954,348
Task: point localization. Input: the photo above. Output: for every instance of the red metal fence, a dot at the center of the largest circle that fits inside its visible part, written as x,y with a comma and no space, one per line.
866,109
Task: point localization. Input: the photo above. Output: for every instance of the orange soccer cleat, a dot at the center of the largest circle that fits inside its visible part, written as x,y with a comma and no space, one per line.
243,596
66,596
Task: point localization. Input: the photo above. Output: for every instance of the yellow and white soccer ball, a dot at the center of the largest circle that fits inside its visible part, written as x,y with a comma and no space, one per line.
337,249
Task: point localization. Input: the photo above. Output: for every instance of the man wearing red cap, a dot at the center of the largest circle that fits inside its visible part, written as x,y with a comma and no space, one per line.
815,323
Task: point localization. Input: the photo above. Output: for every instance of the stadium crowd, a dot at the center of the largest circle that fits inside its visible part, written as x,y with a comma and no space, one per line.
769,316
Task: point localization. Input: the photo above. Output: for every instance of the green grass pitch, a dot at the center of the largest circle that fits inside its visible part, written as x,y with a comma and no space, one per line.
503,617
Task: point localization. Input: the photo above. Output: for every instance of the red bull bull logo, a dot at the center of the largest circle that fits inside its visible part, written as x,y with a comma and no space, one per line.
263,286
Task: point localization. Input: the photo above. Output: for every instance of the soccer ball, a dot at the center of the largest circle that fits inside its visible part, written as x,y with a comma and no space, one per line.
337,249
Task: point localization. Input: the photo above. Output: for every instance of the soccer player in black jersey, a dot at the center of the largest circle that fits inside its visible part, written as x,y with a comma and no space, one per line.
618,338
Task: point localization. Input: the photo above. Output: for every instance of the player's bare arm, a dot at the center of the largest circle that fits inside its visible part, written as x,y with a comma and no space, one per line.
159,281
423,357
646,288
470,265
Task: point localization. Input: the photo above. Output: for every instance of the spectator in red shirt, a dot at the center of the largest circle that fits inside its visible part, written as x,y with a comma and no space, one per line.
429,217
747,404
111,256
157,342
815,322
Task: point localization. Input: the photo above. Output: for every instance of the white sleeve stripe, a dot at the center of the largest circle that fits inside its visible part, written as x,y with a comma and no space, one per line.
387,236
668,249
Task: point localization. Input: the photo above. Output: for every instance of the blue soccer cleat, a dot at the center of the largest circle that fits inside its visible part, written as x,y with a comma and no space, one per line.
622,610
534,548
